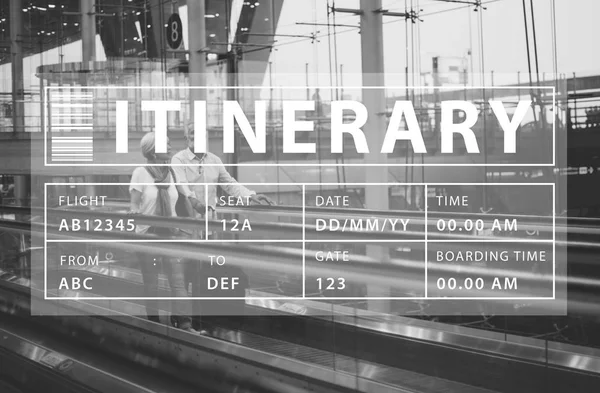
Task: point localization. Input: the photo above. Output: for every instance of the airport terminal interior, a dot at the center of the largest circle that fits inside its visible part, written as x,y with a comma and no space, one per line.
166,225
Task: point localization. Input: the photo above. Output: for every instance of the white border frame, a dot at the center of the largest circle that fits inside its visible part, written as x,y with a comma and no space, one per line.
553,88
303,240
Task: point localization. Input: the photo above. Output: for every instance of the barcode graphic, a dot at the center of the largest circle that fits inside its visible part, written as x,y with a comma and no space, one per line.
71,126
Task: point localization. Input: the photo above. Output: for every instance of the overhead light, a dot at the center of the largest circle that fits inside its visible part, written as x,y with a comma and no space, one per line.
24,9
217,14
51,6
266,19
252,6
213,35
64,23
257,4
41,8
210,16
76,24
166,25
137,13
149,26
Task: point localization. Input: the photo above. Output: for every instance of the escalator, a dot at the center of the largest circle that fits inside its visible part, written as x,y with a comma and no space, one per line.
245,363
342,351
34,360
414,348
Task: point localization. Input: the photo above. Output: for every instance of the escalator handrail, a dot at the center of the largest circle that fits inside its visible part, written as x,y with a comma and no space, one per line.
215,225
333,211
551,355
285,260
157,334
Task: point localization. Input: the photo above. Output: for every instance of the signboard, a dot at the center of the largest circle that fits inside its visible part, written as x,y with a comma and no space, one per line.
174,31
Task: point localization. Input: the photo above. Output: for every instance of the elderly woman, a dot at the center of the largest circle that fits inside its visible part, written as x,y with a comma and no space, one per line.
154,194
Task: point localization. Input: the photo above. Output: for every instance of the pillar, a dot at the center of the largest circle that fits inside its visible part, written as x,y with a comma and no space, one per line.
197,43
16,62
22,199
21,194
88,54
371,40
88,32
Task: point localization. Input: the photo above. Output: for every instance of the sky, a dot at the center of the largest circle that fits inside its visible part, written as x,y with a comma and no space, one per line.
445,31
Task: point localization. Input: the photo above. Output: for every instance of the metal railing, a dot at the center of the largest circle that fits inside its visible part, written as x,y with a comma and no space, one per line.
561,224
285,259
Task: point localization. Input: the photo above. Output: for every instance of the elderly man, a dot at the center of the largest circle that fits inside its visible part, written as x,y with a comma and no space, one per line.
201,169
207,168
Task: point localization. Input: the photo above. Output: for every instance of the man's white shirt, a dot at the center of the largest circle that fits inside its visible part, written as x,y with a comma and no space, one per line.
197,171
